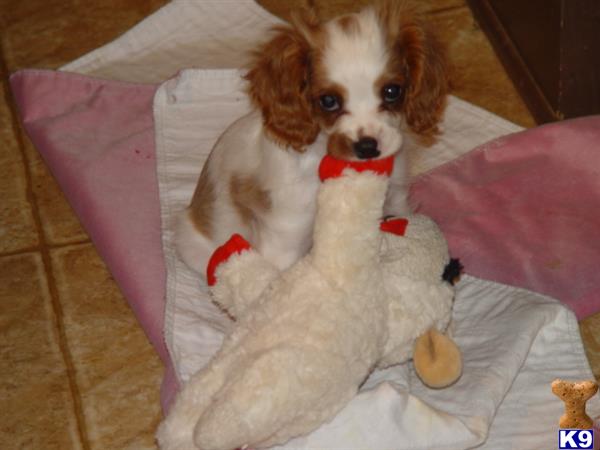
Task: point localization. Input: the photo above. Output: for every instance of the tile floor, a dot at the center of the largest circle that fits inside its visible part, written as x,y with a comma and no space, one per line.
76,371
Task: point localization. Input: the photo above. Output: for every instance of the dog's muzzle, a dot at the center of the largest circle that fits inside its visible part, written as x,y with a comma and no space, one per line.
366,148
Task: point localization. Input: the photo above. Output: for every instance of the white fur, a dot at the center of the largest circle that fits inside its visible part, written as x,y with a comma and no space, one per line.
306,338
283,234
356,61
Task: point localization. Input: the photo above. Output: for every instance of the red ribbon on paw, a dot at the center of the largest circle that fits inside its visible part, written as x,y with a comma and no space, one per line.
235,244
395,226
331,167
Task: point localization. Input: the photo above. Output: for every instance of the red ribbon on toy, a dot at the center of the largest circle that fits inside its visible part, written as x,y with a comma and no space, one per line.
395,226
331,167
235,244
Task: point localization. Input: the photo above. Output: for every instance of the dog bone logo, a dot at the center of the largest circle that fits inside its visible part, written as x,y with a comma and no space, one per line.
575,395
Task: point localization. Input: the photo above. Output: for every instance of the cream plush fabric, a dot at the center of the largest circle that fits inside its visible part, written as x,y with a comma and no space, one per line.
305,339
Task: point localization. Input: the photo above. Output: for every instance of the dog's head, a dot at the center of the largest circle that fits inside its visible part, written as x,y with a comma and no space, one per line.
358,78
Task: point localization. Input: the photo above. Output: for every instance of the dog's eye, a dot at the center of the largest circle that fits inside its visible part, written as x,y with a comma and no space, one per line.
329,102
391,93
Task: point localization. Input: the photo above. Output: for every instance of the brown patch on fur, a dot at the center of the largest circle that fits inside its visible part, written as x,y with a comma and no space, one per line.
419,53
349,24
340,146
279,83
202,204
248,197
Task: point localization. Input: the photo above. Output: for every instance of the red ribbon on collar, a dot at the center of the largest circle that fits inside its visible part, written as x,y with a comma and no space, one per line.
331,167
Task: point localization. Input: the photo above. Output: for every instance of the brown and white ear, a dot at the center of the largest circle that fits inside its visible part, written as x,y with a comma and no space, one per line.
428,78
278,78
426,65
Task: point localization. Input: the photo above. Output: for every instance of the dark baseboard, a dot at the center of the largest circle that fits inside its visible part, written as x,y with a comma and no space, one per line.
550,50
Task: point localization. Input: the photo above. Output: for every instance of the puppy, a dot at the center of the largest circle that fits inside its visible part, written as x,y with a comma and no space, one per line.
352,87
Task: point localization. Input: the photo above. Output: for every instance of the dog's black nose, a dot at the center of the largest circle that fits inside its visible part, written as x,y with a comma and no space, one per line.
366,148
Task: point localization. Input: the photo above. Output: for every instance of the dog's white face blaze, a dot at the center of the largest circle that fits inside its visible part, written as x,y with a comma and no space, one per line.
356,60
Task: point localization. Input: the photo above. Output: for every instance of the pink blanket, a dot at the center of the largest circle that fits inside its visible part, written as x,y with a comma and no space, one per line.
524,210
521,210
97,138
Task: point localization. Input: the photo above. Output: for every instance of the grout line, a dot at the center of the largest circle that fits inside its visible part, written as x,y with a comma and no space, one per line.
37,248
21,251
68,244
44,250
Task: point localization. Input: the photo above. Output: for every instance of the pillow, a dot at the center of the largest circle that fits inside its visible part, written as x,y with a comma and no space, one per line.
523,210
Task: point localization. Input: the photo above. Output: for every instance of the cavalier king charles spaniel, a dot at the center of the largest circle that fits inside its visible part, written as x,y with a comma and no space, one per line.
355,88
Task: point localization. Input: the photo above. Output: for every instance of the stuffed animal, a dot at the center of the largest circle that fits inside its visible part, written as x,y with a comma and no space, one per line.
367,295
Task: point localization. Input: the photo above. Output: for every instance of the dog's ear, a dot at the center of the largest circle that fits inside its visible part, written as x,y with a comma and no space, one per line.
425,61
428,79
278,83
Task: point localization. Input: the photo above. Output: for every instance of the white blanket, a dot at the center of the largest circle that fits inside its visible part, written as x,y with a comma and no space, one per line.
184,33
514,342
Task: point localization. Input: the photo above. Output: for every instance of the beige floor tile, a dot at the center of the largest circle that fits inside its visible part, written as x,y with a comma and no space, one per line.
17,226
283,9
117,371
50,33
590,333
478,75
59,223
37,409
328,9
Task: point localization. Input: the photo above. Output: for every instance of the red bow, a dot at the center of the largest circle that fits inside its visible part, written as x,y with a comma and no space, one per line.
331,167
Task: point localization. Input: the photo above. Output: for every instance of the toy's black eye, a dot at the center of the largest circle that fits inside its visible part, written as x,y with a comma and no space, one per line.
391,93
329,102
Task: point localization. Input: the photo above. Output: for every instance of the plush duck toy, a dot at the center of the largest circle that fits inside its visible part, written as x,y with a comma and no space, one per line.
368,295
